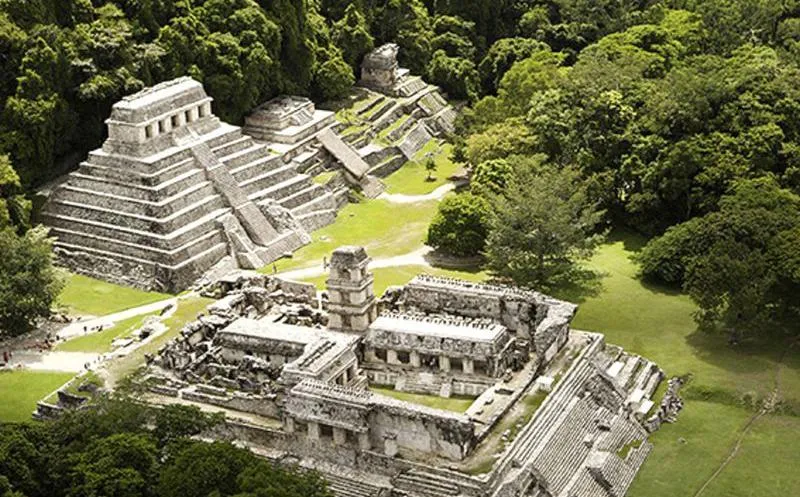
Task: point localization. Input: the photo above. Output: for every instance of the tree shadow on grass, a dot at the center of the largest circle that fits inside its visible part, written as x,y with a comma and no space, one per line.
581,285
751,357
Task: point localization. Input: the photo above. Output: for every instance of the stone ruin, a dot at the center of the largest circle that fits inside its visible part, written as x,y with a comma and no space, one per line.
173,190
296,373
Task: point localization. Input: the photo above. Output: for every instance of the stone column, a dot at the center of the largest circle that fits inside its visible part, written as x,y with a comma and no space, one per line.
414,359
391,357
313,430
444,363
363,441
390,444
339,436
468,366
288,424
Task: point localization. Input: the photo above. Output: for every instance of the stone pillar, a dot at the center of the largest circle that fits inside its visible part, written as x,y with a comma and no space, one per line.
414,359
468,366
181,119
339,436
353,372
363,441
313,430
444,363
288,424
391,357
390,444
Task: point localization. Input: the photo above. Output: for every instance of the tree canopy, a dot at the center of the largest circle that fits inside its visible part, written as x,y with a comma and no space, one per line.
122,449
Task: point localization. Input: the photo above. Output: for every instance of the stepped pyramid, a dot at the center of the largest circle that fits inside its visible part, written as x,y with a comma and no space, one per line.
173,190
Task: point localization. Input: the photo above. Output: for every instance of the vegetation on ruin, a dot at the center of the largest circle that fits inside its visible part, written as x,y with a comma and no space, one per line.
411,179
455,403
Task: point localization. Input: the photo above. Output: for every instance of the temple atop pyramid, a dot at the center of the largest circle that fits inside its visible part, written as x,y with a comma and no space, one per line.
173,190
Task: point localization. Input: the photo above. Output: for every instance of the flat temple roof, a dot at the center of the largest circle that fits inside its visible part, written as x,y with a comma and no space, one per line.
267,329
158,93
442,328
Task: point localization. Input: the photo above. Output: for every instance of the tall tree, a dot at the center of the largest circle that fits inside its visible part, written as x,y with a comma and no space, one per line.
542,226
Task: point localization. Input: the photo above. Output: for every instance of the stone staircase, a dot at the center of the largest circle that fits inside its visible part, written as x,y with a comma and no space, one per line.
424,484
347,487
151,221
410,85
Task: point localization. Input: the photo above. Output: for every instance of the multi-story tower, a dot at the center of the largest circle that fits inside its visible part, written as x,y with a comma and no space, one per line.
351,304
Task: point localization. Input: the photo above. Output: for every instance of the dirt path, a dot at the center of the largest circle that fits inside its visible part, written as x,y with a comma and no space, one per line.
401,198
79,328
767,407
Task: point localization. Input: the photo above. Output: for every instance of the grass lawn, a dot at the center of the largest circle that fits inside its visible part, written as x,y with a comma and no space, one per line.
87,296
766,464
455,403
411,179
21,390
657,323
100,341
400,275
384,229
688,452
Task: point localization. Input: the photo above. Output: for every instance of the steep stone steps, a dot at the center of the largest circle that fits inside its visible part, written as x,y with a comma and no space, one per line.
246,155
138,250
314,197
348,487
269,178
233,146
161,208
425,484
280,190
256,167
181,236
140,222
124,189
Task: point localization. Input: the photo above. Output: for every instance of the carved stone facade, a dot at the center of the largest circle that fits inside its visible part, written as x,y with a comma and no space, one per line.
306,377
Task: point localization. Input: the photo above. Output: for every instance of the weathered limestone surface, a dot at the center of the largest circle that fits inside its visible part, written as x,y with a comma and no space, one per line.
148,208
301,375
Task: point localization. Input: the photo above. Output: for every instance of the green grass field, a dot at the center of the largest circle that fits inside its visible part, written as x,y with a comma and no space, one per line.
21,390
100,341
87,296
455,403
384,229
411,179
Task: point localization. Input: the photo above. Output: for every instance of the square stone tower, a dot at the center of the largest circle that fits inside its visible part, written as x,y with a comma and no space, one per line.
380,70
351,305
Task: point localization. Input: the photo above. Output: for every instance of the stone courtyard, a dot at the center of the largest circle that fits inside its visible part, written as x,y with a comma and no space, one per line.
297,373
